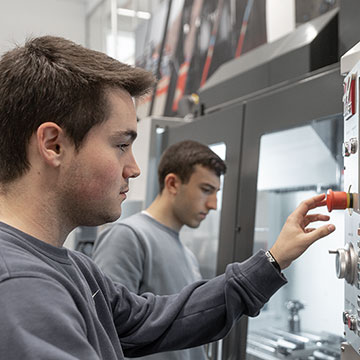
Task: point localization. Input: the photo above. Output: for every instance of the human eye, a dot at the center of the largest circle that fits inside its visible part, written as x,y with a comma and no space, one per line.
123,147
206,190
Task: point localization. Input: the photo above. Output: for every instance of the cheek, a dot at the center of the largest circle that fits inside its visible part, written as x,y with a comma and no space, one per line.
98,180
193,202
109,173
197,196
105,179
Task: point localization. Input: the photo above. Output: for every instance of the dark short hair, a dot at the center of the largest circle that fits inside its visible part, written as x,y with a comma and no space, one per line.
53,79
181,158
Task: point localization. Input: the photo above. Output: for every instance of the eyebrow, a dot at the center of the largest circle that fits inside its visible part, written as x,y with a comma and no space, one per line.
131,134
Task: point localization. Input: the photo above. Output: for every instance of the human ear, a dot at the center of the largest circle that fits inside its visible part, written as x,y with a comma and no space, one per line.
172,183
50,141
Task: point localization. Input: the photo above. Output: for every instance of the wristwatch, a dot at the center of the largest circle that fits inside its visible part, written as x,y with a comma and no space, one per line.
272,260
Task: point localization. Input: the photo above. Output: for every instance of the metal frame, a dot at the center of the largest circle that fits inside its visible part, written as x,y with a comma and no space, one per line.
316,96
240,124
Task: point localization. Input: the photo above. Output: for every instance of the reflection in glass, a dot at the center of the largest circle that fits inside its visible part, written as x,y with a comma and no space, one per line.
303,319
204,240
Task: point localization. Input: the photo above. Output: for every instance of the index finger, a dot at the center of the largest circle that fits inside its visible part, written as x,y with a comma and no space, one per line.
311,203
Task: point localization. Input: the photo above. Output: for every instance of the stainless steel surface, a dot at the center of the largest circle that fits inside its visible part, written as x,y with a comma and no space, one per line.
273,344
349,26
348,352
347,264
304,50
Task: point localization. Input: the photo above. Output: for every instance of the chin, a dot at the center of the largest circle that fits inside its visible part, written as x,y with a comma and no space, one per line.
107,218
194,225
113,217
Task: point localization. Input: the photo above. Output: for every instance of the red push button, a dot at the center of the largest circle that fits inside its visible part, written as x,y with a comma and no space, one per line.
337,200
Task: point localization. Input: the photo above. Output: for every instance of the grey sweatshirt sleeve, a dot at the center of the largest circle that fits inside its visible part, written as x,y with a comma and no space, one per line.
44,318
120,255
204,311
40,321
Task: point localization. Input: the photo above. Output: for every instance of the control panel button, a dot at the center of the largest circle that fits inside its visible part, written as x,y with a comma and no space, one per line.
349,98
353,145
337,200
346,263
351,322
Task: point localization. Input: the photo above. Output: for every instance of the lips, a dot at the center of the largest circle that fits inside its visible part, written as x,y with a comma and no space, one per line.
203,215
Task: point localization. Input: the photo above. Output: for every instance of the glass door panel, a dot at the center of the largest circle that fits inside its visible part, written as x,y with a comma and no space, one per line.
204,241
300,320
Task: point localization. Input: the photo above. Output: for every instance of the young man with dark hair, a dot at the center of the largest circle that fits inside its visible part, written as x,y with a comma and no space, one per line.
144,251
67,123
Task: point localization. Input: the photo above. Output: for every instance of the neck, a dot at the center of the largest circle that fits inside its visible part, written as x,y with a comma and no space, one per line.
161,210
34,215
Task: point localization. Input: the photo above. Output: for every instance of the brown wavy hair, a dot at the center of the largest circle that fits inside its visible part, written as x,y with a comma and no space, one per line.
181,158
54,79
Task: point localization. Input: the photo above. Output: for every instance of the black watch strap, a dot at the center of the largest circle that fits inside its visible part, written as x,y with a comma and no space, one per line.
272,260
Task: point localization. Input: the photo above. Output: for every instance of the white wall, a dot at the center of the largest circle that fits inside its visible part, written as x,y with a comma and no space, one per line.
24,18
98,25
280,18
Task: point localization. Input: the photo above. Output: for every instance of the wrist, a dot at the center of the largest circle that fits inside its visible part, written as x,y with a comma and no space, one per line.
272,260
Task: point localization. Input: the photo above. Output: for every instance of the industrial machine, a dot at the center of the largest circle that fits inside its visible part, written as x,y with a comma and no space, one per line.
276,115
347,258
279,125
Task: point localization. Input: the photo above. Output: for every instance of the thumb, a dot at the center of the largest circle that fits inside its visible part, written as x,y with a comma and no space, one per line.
320,232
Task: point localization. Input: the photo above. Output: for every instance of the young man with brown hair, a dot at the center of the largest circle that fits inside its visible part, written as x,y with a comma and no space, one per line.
144,251
67,123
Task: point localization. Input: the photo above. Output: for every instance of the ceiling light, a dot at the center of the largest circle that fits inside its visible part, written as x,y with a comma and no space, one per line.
132,13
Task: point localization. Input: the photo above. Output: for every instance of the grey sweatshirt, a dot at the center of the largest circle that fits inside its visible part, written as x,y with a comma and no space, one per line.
57,304
147,256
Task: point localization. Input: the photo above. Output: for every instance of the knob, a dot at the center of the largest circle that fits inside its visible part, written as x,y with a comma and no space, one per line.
338,200
351,322
346,149
346,261
353,145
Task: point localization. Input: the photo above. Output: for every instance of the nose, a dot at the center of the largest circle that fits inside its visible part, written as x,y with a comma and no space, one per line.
131,169
211,203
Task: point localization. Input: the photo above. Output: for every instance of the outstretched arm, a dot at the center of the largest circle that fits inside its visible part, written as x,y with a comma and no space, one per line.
295,237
